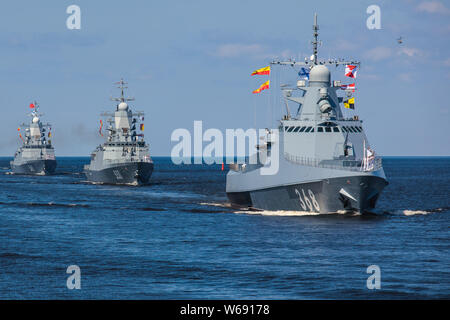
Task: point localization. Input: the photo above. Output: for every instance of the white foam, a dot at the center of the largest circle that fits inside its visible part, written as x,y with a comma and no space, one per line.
280,213
414,212
216,204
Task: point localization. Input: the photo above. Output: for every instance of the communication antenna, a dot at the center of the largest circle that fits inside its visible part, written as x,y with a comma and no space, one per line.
315,41
121,86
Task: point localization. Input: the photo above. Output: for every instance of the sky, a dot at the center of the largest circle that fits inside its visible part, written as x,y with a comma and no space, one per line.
191,60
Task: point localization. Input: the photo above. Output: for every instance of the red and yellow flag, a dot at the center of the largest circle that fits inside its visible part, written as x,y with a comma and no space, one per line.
262,71
101,126
264,86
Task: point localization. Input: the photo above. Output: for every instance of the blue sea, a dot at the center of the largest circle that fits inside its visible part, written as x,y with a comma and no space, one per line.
178,239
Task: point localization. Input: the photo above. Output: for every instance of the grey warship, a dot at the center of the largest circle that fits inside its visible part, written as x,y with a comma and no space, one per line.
36,156
124,157
326,164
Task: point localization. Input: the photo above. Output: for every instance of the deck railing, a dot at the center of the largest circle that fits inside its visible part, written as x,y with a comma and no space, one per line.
350,165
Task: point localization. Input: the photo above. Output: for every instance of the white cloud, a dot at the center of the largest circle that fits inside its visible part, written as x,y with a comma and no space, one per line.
345,45
433,7
255,51
405,77
233,50
410,52
369,76
378,53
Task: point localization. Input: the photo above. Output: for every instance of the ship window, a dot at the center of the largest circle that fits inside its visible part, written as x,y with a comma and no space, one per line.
302,129
312,130
344,129
290,129
286,128
335,129
355,130
360,129
296,129
308,129
320,129
327,129
350,129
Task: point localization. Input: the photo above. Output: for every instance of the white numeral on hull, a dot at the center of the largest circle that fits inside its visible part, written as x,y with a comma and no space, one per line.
117,174
305,201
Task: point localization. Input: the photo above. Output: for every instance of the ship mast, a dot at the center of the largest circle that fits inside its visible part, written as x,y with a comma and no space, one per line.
121,86
315,41
314,58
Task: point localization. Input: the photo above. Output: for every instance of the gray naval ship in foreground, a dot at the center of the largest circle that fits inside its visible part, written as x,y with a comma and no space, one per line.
36,155
124,157
325,162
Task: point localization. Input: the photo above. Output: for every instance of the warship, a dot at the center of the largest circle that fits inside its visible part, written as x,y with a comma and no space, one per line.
325,163
36,155
124,157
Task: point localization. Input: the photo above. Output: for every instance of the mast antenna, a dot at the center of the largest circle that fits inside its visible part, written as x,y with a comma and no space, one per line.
313,60
121,86
315,41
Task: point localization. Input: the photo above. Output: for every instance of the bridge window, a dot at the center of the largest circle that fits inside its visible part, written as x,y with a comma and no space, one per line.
320,129
344,129
335,129
286,128
296,129
327,129
308,129
302,129
290,129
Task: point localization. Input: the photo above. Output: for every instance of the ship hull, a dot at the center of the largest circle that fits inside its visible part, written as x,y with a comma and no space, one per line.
135,173
34,167
352,193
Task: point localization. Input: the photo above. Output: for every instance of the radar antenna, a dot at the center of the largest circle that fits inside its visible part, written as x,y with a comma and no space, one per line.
35,112
315,41
314,59
121,86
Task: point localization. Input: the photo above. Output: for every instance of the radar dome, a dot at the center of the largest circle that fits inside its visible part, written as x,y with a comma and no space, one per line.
123,106
319,73
35,119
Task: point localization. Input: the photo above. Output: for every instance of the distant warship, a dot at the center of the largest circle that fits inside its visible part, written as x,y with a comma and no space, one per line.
36,155
325,161
124,157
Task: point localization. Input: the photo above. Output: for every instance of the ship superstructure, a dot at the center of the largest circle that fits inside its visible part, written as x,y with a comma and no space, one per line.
36,155
325,161
124,157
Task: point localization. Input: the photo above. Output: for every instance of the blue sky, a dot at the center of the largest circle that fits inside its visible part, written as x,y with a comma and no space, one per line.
191,60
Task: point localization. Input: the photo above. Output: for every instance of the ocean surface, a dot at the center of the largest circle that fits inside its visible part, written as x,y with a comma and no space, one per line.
178,239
